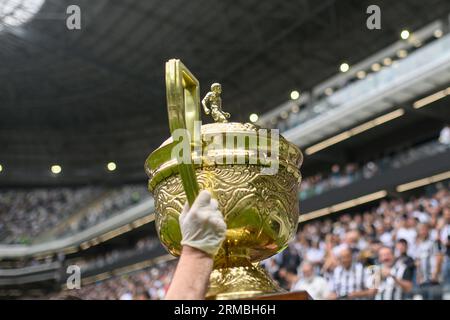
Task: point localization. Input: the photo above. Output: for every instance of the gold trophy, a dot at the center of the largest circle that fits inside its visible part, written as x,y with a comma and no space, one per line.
252,172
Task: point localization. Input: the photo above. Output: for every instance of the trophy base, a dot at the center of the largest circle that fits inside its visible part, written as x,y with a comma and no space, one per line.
240,282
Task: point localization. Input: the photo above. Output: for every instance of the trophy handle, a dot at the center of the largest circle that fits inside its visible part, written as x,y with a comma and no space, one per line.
183,107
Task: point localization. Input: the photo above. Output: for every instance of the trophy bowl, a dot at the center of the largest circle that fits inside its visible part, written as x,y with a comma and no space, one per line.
260,206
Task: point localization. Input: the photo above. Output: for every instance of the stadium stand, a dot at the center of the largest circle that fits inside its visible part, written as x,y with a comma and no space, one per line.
319,243
25,215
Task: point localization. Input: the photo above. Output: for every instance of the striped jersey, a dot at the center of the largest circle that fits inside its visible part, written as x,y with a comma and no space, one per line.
388,289
345,281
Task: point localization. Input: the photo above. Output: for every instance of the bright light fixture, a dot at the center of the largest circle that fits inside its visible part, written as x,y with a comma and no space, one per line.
361,74
253,117
402,53
1,168
404,34
344,67
431,98
438,33
387,61
295,95
376,67
56,169
329,91
111,166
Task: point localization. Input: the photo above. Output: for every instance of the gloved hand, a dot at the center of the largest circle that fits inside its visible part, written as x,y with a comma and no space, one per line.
203,226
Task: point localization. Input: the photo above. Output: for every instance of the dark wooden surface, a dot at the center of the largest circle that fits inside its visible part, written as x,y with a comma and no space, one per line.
297,295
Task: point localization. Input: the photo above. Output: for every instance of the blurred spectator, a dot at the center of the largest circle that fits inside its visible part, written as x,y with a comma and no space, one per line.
320,182
401,252
316,286
349,278
407,231
395,277
428,255
444,136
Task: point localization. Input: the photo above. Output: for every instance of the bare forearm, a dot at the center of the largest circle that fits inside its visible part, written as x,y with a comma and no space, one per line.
191,277
439,259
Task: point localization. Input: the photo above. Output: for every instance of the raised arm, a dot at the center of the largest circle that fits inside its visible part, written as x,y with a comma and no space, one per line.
203,231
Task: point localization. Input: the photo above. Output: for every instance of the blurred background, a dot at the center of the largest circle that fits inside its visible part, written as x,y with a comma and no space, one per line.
81,109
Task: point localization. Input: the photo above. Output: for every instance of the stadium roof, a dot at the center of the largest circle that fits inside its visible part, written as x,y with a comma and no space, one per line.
83,98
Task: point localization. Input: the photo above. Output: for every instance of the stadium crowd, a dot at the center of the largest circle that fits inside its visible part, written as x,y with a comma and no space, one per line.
27,214
396,250
352,172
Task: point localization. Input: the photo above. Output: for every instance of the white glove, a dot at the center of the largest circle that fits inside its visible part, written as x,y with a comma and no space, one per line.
202,226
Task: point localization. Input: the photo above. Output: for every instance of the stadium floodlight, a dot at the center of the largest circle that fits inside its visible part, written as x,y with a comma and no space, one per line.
431,98
295,95
404,34
56,169
361,74
354,131
253,117
344,67
14,13
387,61
1,168
329,91
111,166
402,53
438,33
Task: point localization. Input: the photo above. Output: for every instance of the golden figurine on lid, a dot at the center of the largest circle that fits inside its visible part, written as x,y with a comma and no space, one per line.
253,173
214,102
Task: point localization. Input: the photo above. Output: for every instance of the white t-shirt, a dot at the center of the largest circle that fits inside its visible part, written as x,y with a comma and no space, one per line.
316,287
386,239
409,234
315,255
126,296
445,233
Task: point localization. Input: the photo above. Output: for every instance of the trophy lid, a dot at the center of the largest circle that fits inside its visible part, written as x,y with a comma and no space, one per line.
225,144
